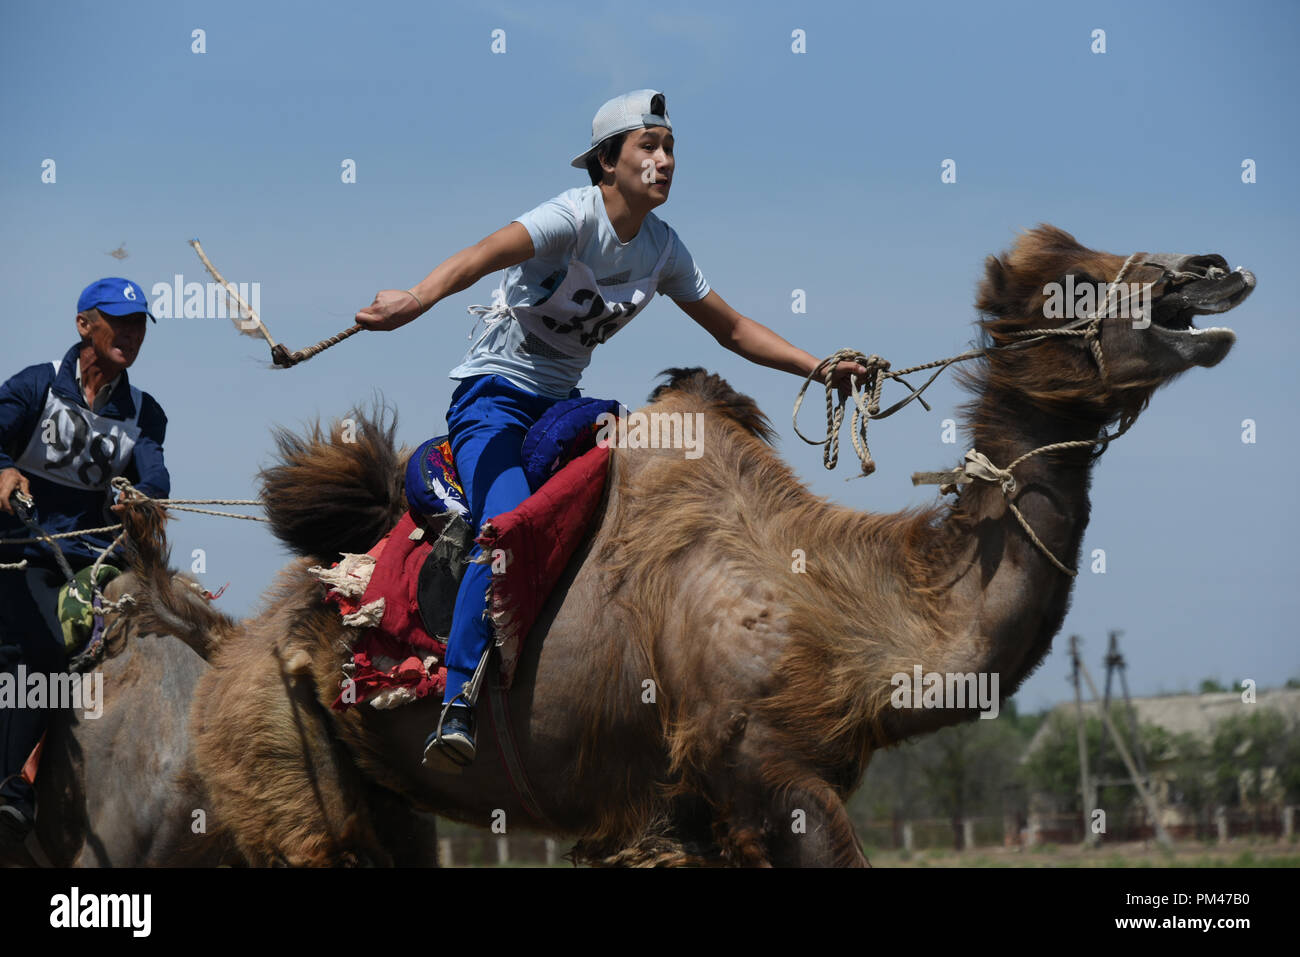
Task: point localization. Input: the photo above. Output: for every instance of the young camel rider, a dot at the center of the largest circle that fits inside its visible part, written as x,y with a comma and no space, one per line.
579,267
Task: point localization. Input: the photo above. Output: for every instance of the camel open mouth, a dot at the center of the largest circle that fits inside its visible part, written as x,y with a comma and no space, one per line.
1218,292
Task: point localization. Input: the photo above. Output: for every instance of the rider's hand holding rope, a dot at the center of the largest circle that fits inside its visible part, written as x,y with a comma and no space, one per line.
866,399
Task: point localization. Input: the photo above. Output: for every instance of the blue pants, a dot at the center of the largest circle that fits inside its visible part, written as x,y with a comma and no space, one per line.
487,421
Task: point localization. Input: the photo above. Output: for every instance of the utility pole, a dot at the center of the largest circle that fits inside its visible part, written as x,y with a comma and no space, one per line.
1128,705
1148,797
1090,839
1113,660
1115,663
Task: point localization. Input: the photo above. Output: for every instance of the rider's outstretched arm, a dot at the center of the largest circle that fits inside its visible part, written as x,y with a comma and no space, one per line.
394,308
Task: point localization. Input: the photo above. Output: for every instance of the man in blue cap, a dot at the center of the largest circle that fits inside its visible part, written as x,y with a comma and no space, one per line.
67,429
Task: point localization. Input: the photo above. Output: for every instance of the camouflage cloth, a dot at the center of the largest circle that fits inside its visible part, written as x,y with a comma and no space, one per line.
76,608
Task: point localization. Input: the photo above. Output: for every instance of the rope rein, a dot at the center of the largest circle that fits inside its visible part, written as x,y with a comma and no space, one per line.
977,466
864,409
98,601
178,504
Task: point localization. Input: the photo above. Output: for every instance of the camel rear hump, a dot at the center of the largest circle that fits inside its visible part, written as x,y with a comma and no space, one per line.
336,492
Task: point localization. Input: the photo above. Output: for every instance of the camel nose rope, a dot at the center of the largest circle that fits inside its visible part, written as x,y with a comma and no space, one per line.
977,466
1091,332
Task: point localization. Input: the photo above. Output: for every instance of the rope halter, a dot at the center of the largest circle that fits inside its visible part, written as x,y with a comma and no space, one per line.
976,465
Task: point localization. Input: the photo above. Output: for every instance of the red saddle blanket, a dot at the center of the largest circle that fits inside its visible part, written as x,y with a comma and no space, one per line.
395,660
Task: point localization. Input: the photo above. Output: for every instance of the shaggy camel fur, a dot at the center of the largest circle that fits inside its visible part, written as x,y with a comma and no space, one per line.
316,810
690,694
120,790
127,789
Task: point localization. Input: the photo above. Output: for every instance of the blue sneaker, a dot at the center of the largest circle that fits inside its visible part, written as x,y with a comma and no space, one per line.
451,746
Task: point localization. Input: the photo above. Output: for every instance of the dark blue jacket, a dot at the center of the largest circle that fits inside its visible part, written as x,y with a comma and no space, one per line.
61,508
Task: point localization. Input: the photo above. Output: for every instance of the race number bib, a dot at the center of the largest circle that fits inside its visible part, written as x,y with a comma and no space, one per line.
74,446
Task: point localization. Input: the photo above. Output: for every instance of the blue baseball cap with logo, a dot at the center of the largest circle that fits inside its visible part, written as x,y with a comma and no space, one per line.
114,297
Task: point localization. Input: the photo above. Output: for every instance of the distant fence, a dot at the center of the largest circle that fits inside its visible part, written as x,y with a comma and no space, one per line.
1209,824
923,834
1224,824
493,850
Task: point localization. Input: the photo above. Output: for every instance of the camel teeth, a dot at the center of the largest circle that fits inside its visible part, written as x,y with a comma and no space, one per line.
1193,331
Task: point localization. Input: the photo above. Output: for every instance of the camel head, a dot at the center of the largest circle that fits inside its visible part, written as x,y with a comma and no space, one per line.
1146,336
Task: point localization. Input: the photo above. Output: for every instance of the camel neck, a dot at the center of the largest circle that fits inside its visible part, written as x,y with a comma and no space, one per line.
999,600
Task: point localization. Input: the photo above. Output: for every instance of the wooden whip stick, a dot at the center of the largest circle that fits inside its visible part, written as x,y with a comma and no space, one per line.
254,325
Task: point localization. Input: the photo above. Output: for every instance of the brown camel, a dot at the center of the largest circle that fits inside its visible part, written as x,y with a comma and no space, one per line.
110,793
124,789
118,790
711,677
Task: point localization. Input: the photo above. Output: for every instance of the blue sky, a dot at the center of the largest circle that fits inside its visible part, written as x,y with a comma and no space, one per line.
818,171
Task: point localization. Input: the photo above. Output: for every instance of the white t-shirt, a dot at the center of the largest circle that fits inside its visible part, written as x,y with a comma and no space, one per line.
506,350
